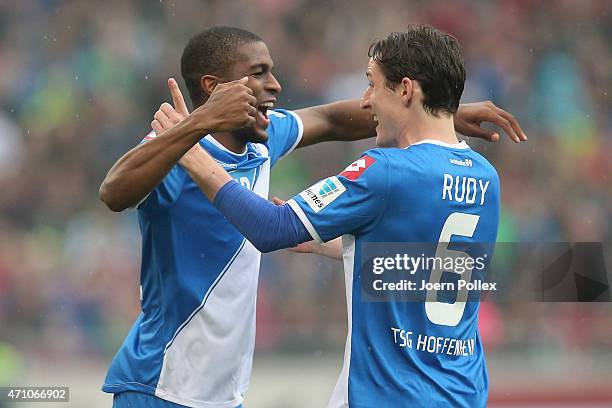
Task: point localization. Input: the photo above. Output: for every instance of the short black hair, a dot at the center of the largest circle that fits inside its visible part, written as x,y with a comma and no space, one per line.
211,52
429,56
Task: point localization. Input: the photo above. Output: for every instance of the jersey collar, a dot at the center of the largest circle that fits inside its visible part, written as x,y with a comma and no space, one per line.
460,145
223,148
251,158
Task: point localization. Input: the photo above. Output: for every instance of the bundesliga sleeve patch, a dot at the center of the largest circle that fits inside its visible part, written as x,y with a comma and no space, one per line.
323,193
356,169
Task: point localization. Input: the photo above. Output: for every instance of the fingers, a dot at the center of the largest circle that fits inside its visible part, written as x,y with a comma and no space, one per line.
512,122
156,126
278,201
242,81
252,110
164,120
250,121
250,100
494,117
177,97
475,130
171,113
234,103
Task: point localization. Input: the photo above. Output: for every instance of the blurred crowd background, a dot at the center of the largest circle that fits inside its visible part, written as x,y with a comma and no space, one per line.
80,80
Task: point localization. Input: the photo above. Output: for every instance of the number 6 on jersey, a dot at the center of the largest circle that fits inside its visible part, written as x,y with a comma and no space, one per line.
450,314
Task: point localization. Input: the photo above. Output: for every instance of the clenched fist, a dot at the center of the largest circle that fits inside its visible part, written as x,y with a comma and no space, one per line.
230,106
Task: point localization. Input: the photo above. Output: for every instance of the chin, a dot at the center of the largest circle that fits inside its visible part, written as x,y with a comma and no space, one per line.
382,142
252,134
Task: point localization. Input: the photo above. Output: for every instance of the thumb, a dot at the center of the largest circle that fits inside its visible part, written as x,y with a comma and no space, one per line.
229,84
278,201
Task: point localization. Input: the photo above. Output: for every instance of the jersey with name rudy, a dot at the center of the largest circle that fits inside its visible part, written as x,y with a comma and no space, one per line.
408,353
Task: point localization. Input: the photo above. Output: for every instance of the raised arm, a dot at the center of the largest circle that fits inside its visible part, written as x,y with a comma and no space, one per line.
346,121
139,171
341,121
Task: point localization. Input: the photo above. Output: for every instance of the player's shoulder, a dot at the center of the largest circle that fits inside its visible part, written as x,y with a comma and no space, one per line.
278,116
380,154
395,158
369,170
283,122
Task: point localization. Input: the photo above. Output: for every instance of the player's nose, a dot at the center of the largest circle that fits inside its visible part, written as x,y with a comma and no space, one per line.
365,101
272,84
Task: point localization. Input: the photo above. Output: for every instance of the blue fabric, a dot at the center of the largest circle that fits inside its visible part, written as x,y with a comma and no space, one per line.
403,196
269,227
132,399
283,122
186,247
338,205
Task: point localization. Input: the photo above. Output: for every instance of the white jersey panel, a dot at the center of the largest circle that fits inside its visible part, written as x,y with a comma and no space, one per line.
208,363
339,397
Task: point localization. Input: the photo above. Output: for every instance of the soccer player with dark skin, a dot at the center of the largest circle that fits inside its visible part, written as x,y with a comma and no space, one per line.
222,114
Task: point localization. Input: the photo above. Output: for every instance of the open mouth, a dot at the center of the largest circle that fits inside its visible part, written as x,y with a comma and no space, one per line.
262,113
264,106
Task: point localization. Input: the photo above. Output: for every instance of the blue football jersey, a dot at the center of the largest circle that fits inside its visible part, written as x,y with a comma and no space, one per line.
408,353
193,342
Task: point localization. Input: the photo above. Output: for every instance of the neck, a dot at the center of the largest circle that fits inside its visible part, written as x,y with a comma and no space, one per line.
230,142
424,126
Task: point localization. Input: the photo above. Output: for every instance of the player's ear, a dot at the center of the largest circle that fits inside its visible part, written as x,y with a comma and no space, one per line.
209,83
407,90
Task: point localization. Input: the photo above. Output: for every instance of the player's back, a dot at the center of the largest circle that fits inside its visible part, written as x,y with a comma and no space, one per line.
416,353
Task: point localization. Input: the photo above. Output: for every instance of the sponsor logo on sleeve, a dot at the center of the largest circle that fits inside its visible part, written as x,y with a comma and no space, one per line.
323,193
356,169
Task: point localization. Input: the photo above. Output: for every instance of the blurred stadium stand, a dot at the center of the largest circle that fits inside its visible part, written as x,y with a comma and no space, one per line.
79,82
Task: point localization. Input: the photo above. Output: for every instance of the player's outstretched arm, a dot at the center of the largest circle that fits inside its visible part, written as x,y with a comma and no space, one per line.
331,249
139,171
346,121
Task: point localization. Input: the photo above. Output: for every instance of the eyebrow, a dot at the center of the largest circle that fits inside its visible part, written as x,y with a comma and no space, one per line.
263,66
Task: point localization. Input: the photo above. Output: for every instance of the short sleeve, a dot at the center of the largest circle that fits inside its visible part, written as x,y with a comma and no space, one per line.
348,203
167,192
284,133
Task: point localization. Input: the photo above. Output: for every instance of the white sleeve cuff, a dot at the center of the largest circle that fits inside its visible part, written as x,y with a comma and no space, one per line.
298,139
302,216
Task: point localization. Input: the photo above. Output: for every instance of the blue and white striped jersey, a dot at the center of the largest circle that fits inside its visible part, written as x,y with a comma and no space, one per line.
193,342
